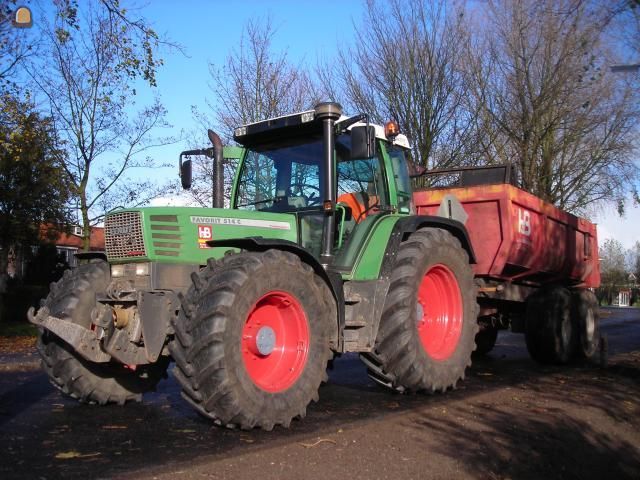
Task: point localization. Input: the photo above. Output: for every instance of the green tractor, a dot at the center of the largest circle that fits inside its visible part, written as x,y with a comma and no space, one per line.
319,253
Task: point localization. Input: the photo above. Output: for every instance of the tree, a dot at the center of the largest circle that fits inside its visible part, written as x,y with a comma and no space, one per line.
612,269
15,43
633,260
135,42
623,19
257,82
254,83
548,101
34,189
405,65
87,72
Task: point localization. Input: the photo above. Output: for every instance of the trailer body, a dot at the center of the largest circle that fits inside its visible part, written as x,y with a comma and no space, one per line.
517,237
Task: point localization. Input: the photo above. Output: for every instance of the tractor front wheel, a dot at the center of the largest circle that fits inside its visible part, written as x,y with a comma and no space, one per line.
72,299
252,339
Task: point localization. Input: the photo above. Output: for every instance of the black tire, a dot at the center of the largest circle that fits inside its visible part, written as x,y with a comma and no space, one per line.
208,332
400,360
585,318
73,298
486,339
548,327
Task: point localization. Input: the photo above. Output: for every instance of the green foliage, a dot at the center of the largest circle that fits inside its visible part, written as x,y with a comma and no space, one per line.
612,263
134,42
34,190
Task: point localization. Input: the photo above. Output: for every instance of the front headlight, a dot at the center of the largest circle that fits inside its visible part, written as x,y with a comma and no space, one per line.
117,270
142,269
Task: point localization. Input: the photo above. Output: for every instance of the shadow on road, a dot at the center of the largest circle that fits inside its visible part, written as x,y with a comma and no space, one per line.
509,416
530,445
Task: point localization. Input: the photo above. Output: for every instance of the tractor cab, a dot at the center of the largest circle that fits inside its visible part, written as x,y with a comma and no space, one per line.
335,174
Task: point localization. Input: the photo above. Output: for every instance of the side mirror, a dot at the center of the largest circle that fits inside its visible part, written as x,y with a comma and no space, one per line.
363,142
185,174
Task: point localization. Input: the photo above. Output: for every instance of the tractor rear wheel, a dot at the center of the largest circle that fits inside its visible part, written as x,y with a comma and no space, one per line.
73,298
428,324
548,326
252,339
585,318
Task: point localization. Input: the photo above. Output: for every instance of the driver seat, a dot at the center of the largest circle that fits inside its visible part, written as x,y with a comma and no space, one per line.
358,202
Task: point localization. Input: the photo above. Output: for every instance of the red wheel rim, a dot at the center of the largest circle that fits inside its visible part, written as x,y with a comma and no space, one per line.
440,312
275,341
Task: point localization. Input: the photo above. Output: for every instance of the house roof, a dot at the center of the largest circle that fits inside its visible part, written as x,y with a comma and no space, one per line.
63,239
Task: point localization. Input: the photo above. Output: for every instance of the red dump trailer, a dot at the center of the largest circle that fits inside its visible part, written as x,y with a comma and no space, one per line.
535,264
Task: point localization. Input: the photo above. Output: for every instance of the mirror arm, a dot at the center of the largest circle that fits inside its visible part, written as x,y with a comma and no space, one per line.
342,125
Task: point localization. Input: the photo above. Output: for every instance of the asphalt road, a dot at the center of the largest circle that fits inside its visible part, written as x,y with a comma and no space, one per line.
510,418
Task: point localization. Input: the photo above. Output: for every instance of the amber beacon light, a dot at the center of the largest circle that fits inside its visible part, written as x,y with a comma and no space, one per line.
391,129
23,18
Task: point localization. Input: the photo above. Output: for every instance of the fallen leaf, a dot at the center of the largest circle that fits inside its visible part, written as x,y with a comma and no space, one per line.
311,445
393,405
539,410
74,454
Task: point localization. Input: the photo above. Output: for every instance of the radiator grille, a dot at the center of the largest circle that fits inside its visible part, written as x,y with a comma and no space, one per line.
123,235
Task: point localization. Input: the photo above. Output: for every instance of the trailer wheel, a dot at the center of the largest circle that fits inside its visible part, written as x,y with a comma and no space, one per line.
548,327
73,298
486,339
586,323
428,324
252,339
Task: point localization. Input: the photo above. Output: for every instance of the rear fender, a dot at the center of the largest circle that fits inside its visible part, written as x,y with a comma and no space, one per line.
407,225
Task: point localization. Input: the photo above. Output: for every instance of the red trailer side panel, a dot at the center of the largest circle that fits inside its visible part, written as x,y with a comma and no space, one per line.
518,237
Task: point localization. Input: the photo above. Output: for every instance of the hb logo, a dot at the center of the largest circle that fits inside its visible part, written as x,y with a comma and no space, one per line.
205,232
524,221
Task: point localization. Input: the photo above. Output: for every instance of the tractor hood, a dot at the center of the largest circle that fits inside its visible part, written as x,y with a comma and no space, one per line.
180,234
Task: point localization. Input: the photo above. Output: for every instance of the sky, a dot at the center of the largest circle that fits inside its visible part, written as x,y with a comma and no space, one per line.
306,29
209,31
624,229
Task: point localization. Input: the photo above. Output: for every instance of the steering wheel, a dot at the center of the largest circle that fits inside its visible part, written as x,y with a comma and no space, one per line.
312,199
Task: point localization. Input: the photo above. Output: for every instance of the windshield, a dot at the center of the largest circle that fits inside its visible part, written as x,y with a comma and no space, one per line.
288,176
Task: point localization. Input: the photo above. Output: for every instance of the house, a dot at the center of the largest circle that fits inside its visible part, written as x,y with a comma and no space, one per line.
624,297
67,245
